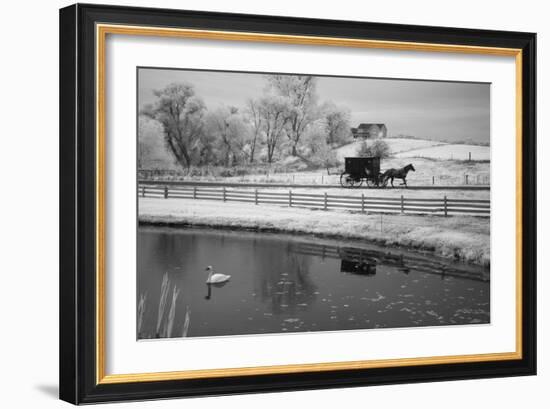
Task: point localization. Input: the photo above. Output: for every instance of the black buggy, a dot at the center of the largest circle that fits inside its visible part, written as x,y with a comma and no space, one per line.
359,170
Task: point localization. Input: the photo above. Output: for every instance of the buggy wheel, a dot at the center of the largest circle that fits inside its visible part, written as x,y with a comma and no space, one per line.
348,181
371,182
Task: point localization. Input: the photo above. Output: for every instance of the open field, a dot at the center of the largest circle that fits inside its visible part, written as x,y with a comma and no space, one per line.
396,145
463,238
422,148
449,152
436,163
442,172
428,172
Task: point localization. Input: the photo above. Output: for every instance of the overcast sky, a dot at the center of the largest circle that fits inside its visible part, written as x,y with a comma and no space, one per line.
448,111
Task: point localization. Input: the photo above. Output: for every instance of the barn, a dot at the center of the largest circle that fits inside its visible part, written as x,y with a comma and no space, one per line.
370,131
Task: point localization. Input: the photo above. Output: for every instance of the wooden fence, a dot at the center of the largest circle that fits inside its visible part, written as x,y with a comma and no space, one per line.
440,206
309,178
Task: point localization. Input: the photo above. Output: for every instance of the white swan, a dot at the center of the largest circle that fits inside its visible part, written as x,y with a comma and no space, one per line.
214,277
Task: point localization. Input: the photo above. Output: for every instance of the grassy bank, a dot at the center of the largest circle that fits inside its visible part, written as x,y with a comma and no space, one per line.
463,238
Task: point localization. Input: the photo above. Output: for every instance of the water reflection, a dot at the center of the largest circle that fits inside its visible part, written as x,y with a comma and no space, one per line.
364,261
288,284
284,283
362,267
209,288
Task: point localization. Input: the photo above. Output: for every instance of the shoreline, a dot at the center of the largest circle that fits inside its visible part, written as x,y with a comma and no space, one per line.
357,241
457,238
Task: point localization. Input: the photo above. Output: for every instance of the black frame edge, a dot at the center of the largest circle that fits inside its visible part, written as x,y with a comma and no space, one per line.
68,369
529,198
77,205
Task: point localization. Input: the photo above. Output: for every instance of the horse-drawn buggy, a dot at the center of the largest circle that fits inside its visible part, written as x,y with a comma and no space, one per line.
359,170
367,170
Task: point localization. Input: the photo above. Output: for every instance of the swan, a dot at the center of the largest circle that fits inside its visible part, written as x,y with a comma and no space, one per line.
214,277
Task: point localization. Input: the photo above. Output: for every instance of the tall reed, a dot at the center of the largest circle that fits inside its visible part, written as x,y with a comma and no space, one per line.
162,302
166,315
141,312
186,323
171,313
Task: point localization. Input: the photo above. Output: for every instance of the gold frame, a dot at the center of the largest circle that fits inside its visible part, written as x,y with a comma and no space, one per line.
102,30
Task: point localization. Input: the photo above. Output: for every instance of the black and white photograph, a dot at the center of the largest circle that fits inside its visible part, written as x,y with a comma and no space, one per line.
281,203
275,204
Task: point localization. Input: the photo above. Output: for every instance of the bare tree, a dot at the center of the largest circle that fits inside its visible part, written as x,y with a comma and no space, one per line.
273,111
301,93
181,114
255,118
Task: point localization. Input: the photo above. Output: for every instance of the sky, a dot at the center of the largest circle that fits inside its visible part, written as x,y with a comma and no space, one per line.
445,111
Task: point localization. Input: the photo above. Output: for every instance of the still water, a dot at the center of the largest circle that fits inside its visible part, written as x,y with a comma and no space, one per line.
282,283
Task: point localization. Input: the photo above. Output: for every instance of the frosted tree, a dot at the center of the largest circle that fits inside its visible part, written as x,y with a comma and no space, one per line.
227,127
152,152
274,113
181,113
256,123
301,93
336,121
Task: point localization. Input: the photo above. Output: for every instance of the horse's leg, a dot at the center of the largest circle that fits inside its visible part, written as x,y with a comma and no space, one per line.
405,182
392,182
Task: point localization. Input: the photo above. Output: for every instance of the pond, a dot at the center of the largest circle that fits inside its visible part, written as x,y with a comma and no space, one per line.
285,283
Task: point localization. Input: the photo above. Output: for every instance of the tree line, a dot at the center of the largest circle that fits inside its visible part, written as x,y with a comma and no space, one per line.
286,120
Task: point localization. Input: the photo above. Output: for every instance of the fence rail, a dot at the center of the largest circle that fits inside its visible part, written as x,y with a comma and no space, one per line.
436,206
308,178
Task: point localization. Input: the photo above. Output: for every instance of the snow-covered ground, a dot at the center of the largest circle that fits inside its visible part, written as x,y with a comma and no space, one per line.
461,237
441,172
396,145
397,192
448,151
435,162
428,172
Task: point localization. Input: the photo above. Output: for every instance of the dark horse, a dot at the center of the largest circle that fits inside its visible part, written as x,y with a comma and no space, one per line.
397,174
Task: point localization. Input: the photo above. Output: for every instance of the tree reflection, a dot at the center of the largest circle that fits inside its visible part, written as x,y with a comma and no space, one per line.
286,285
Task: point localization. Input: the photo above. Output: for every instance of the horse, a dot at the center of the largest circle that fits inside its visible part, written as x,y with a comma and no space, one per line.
397,174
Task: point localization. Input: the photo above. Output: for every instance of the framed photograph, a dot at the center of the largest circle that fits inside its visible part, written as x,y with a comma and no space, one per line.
257,203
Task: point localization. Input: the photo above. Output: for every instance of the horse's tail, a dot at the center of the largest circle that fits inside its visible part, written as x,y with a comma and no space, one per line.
384,177
388,173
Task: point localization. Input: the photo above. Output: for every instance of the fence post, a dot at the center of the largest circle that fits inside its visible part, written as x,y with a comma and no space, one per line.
402,204
143,191
166,192
194,192
256,196
433,180
326,201
469,156
290,198
322,179
223,193
445,205
362,203
466,179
